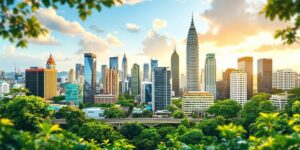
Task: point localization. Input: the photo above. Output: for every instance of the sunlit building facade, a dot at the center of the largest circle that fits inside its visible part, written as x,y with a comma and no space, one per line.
89,88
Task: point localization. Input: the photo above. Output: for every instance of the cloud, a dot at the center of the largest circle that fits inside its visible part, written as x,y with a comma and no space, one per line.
131,27
96,29
128,2
277,47
113,40
51,20
231,21
46,39
90,43
158,24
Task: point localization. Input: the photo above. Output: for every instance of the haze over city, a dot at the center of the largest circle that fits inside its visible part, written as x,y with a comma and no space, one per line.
145,29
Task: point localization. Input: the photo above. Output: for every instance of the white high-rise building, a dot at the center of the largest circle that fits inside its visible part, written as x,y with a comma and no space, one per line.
196,102
280,100
210,74
183,81
4,87
192,59
238,86
284,79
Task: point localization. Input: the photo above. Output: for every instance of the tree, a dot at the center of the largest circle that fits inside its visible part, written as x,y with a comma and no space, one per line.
178,114
98,131
57,99
209,126
177,102
14,92
257,104
294,92
147,113
147,140
131,130
285,11
74,116
277,91
18,21
194,136
26,112
296,107
164,131
226,108
114,112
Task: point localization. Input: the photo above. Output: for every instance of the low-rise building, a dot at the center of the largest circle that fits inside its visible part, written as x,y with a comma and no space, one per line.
279,100
4,87
196,102
94,112
105,99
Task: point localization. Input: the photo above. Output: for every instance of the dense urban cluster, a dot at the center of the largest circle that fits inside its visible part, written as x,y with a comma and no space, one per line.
151,108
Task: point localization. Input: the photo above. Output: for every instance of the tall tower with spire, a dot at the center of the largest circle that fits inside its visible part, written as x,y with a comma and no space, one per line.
50,63
192,59
124,67
175,72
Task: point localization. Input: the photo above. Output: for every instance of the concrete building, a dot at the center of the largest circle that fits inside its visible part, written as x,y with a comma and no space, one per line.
183,81
196,102
192,59
264,75
4,87
226,82
94,112
238,86
103,68
279,100
124,87
284,79
246,64
111,82
154,64
71,77
135,80
124,68
79,71
161,88
175,73
105,99
90,77
210,74
146,92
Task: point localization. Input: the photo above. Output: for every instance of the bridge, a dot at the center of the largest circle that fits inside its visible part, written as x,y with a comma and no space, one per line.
150,122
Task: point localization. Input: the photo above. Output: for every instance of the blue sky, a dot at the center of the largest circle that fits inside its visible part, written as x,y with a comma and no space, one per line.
145,29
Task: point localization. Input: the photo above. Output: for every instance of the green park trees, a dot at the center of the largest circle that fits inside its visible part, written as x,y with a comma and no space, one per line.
226,108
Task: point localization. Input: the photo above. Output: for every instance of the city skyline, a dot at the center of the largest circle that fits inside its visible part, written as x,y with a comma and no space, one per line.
135,36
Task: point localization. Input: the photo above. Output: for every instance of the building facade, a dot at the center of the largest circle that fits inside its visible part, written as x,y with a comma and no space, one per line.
73,93
264,75
192,59
114,63
4,87
146,92
154,64
175,73
105,98
135,80
124,68
34,81
246,64
238,86
210,74
111,82
90,77
280,100
79,71
196,102
146,73
161,88
284,79
71,77
226,81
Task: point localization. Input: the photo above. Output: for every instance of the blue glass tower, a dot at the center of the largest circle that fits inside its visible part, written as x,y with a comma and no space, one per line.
154,64
89,77
114,63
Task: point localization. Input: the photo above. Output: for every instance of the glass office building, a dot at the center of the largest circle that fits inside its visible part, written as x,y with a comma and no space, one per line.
73,93
114,63
89,77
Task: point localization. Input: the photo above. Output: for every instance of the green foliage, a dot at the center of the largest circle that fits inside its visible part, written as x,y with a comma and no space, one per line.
98,131
131,130
114,112
166,130
147,140
285,11
277,91
177,102
209,126
296,107
74,117
193,136
178,114
226,108
257,104
294,93
26,112
147,114
57,99
18,21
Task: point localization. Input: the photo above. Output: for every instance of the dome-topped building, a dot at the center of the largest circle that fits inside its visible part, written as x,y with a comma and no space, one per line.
50,63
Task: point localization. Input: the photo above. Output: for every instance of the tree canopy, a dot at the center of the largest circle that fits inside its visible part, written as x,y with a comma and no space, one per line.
226,108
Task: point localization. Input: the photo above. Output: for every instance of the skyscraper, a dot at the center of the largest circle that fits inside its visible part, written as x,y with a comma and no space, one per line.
146,72
42,82
111,82
146,92
103,68
183,81
175,73
226,82
161,88
192,59
246,64
135,80
264,75
90,77
284,79
238,86
79,70
210,74
154,64
71,78
124,68
114,63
